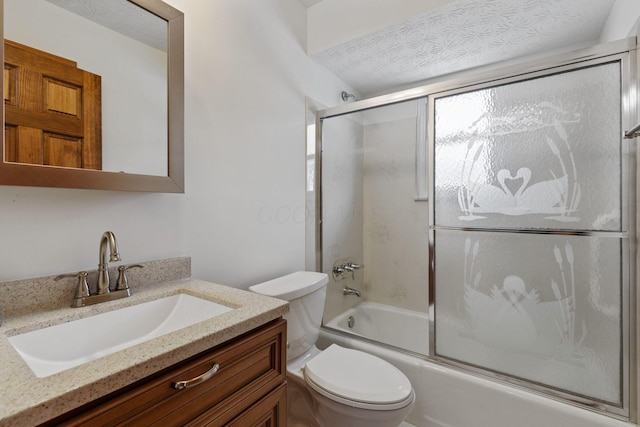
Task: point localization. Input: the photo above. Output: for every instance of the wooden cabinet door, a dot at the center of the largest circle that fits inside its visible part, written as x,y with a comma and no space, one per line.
270,411
53,113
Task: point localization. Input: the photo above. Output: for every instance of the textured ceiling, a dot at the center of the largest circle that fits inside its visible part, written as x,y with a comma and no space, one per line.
461,35
121,16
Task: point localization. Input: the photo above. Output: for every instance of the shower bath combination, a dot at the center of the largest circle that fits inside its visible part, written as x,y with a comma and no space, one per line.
516,272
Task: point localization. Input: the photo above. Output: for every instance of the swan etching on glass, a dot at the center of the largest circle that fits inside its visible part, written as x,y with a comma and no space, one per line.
512,318
541,197
555,192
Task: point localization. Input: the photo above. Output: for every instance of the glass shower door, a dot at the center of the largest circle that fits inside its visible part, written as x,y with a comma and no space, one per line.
530,228
373,213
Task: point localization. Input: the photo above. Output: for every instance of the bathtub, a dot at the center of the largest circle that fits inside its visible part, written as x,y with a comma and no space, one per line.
447,397
384,323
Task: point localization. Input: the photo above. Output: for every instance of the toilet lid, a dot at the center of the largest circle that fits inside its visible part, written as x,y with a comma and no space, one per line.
357,377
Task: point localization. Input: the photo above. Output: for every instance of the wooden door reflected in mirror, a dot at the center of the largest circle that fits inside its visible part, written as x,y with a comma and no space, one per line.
52,110
118,122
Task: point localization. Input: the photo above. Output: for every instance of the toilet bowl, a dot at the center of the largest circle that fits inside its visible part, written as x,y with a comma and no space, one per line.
335,387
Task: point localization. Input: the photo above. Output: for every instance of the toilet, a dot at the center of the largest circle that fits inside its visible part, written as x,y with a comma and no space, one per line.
335,387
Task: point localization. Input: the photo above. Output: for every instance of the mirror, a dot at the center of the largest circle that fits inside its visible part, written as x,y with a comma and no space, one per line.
120,125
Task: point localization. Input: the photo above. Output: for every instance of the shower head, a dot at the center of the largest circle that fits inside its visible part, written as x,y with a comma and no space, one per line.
346,95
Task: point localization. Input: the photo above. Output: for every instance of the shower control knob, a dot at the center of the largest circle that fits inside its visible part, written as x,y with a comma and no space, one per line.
338,270
352,266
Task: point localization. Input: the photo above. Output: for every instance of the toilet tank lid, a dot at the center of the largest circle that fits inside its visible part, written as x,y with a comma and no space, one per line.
292,285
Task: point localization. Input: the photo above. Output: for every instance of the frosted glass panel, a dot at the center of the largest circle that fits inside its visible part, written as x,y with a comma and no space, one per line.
543,308
542,153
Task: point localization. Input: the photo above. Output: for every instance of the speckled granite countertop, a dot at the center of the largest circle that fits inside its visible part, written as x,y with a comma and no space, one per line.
27,400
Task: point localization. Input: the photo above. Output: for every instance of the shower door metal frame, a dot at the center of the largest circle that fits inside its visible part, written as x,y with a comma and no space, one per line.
627,233
513,71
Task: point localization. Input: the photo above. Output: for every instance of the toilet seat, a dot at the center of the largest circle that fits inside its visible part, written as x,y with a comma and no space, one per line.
358,379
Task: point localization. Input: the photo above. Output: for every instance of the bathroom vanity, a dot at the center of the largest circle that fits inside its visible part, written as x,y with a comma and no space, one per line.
248,387
145,383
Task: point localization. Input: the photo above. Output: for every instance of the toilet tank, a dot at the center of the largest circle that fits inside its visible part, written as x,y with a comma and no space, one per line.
306,292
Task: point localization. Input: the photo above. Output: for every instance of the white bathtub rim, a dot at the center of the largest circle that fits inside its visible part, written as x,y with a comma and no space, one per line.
582,416
386,307
338,324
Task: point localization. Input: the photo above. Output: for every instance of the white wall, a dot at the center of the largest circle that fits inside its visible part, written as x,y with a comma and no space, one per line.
623,16
247,76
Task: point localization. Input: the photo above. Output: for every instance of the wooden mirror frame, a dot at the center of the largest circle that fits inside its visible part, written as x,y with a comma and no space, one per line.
51,176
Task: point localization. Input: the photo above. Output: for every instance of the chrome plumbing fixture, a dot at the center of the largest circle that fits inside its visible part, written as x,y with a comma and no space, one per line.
346,96
353,266
338,270
123,283
634,132
350,291
83,296
351,321
108,239
346,267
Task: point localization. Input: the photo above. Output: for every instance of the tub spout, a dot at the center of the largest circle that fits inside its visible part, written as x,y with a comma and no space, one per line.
350,291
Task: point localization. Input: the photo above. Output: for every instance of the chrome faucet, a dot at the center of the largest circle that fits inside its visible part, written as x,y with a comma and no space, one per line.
108,239
353,266
340,268
350,291
82,295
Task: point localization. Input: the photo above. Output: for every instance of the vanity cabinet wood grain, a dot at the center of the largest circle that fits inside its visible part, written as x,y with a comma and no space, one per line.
249,389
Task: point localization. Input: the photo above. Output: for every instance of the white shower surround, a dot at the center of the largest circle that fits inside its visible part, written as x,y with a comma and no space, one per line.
395,225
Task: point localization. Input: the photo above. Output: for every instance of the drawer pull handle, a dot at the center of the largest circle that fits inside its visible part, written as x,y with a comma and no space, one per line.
179,385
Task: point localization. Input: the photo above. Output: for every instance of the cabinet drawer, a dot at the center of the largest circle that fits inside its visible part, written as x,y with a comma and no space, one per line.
249,367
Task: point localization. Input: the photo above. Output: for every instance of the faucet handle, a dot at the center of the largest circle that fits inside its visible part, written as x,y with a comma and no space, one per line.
82,289
122,282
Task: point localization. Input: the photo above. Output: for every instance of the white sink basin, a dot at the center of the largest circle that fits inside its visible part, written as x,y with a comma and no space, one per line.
60,347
